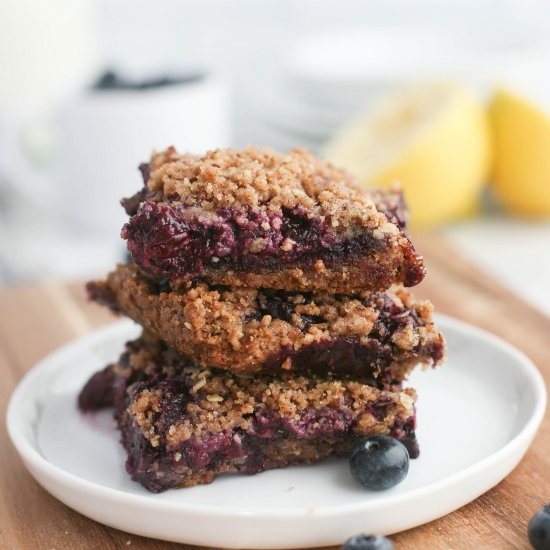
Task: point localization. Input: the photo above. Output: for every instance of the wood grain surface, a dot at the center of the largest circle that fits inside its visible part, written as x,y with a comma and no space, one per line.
36,319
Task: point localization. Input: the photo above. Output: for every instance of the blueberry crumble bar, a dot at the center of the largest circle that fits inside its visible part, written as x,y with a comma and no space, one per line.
256,218
183,425
371,335
277,324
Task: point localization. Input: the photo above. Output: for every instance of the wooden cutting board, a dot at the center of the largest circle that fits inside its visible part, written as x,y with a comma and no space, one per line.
36,319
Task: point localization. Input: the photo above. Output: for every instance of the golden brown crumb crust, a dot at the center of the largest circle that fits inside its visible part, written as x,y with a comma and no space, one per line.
225,328
263,179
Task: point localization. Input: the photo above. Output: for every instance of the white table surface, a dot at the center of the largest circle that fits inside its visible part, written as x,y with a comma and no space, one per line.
515,252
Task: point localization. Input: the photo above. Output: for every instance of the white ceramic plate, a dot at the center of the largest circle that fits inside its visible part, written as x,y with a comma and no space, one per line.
477,416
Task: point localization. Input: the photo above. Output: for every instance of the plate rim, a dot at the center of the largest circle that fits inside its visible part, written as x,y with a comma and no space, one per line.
31,456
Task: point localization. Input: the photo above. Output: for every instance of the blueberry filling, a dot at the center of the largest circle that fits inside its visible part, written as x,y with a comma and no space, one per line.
404,431
99,392
379,409
343,356
278,305
176,242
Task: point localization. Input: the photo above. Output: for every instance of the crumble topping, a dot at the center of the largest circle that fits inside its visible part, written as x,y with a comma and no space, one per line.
265,180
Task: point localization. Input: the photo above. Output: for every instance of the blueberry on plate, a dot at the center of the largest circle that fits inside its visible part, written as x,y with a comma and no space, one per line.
368,542
539,529
379,462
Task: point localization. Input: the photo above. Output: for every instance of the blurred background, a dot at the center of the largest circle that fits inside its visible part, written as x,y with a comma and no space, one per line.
451,98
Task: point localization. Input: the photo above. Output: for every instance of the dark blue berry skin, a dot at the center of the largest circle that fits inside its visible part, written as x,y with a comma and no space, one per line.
379,462
539,529
368,542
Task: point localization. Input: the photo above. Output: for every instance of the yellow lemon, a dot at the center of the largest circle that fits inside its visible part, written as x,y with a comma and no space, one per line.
433,139
521,176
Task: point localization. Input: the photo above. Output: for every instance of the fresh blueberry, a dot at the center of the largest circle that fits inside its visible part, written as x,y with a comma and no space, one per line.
539,529
379,462
368,542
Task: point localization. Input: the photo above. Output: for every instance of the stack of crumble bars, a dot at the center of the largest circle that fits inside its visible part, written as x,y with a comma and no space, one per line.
277,327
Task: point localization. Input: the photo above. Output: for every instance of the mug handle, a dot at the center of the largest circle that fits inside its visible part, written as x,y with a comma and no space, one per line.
28,157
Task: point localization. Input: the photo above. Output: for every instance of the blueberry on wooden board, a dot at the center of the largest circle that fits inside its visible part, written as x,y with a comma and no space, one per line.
368,542
539,529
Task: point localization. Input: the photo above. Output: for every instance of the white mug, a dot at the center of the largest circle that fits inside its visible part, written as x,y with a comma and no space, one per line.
102,135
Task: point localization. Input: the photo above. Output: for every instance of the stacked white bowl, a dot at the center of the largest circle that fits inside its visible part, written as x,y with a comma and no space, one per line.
320,81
